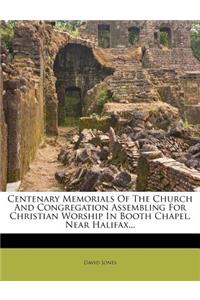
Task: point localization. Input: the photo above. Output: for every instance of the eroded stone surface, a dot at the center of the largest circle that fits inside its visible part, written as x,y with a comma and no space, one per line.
3,140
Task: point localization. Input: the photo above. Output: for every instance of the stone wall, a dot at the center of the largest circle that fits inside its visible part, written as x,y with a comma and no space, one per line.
191,87
180,32
55,83
171,73
53,42
181,59
3,140
169,85
24,99
157,173
118,31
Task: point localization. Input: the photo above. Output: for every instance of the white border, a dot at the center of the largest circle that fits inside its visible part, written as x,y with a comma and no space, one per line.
100,290
87,10
104,9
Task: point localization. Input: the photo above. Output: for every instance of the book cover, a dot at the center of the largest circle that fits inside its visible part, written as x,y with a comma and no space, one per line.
100,150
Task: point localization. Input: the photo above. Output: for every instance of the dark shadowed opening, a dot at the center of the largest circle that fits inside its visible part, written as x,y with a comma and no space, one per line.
104,35
77,71
165,37
133,35
72,106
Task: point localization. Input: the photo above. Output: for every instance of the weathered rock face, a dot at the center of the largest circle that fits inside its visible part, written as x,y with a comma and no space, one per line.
3,140
176,57
168,83
190,82
23,98
30,99
53,42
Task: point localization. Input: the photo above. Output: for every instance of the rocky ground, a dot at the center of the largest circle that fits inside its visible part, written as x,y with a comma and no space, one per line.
97,161
93,160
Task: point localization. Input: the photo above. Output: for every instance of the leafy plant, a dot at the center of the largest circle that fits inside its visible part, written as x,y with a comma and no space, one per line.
71,122
133,35
102,99
195,38
164,39
186,124
6,33
71,27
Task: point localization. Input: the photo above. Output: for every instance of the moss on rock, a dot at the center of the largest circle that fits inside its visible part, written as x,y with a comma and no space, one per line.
95,122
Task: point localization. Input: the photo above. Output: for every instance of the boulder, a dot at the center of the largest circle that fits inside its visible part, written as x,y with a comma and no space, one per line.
113,138
177,131
149,148
104,153
107,175
90,180
60,176
11,84
122,179
193,150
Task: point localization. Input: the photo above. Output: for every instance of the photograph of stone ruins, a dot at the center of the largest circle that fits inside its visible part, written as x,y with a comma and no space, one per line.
100,106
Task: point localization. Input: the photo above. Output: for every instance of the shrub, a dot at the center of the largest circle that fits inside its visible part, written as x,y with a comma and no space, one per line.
101,100
164,39
186,124
133,35
72,27
6,33
195,38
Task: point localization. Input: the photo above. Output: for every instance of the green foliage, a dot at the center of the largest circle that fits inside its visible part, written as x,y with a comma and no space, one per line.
186,124
6,33
195,38
104,36
71,109
73,103
164,39
103,96
95,122
133,36
71,122
71,27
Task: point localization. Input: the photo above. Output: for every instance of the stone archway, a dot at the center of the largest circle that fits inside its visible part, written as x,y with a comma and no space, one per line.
76,68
